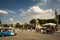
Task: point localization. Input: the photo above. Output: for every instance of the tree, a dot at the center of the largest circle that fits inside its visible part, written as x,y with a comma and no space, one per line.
33,21
17,25
26,25
5,25
11,25
42,21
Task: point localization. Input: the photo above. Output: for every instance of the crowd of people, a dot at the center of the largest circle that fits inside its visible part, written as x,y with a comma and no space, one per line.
47,29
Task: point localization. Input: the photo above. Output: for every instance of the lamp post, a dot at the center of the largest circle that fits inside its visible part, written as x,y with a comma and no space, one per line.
56,19
0,21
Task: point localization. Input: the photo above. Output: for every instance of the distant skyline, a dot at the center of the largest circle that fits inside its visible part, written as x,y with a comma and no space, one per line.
22,11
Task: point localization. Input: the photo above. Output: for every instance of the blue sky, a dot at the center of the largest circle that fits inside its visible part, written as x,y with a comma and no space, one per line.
22,11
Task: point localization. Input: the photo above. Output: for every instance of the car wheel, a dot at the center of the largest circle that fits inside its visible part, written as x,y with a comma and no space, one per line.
3,35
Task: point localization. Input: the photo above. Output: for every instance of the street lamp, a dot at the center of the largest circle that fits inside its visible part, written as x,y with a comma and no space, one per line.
0,21
56,19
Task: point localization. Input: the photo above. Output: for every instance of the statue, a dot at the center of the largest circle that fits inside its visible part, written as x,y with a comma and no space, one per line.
37,28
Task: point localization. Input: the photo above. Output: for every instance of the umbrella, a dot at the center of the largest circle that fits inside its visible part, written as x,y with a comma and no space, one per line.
51,24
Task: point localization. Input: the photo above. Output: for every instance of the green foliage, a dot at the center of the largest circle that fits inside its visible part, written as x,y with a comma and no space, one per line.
17,25
33,21
11,25
5,25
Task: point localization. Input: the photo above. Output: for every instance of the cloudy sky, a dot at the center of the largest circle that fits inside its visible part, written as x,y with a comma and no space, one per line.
22,11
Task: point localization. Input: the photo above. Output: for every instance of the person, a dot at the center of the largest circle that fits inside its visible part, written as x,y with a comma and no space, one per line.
47,30
51,29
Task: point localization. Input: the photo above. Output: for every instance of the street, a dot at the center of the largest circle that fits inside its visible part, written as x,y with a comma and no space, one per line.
32,35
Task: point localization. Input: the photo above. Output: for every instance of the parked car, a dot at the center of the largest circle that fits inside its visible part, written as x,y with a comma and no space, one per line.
1,32
10,31
7,32
43,30
50,28
38,29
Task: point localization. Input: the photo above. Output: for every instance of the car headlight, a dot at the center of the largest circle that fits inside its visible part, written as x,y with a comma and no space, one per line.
12,33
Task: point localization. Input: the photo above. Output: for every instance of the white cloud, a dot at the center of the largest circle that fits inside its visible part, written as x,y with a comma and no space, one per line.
42,2
6,11
3,12
17,22
10,11
33,0
59,0
36,12
11,19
